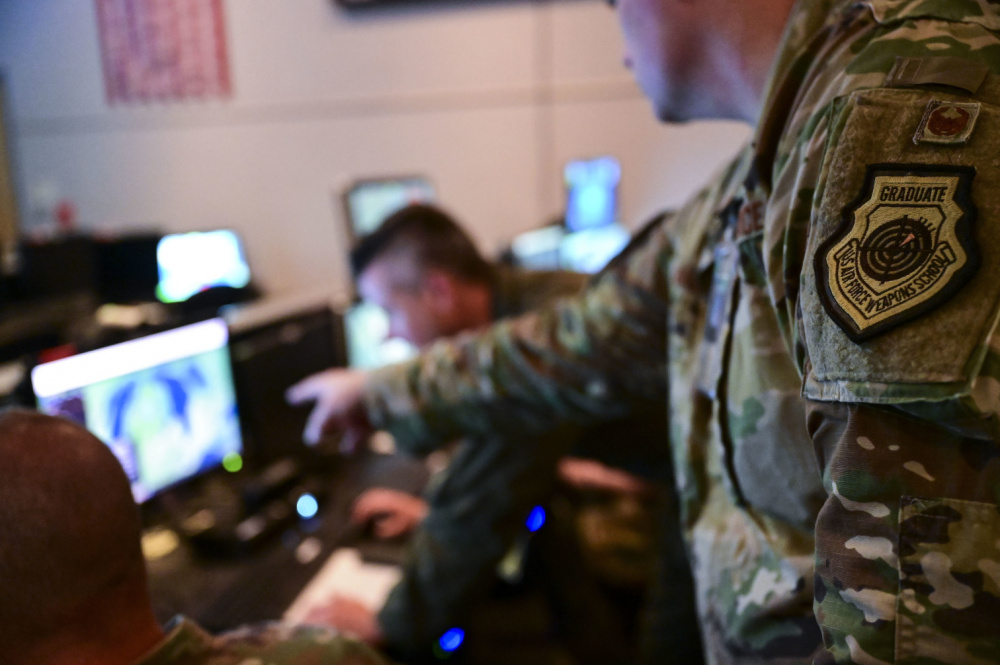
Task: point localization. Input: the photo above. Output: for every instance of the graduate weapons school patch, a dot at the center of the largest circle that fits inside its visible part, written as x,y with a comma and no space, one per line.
904,247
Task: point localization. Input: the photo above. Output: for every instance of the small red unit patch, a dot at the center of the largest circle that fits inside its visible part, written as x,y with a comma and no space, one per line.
947,123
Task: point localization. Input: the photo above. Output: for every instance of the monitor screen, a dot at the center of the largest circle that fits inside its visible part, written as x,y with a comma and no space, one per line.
366,333
369,202
591,193
165,404
538,249
590,250
189,263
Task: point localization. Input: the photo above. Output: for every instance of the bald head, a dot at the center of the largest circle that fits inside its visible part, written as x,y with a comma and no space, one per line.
69,530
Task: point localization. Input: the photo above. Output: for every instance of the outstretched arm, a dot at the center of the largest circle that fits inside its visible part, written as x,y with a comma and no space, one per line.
585,359
582,360
337,396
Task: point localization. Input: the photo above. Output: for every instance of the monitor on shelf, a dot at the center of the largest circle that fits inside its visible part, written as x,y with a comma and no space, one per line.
368,202
591,193
590,250
538,249
165,404
552,248
189,263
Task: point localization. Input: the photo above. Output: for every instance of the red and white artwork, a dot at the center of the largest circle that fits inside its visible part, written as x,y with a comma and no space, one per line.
163,50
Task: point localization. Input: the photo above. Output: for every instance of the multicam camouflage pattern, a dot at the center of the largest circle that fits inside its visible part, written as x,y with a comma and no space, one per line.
938,446
479,503
949,581
840,497
260,644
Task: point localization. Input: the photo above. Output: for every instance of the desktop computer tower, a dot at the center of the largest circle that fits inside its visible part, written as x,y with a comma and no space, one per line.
269,355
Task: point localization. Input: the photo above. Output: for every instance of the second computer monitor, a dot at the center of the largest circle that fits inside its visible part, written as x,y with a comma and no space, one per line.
368,202
165,404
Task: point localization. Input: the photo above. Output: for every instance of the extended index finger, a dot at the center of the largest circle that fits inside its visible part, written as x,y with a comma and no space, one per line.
306,390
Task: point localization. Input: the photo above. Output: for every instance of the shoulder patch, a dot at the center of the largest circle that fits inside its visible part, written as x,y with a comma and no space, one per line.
947,123
904,247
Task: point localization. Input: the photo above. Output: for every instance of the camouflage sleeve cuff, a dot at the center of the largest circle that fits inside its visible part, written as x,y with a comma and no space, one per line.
391,406
380,386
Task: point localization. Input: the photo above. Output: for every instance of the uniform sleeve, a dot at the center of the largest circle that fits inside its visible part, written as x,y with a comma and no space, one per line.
476,512
907,565
900,295
581,360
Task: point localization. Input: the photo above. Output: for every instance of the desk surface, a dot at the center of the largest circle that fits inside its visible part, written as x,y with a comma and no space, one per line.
221,593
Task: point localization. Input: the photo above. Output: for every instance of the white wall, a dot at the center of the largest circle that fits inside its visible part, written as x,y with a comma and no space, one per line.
489,99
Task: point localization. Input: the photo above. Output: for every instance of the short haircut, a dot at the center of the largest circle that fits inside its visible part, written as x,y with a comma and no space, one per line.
430,238
70,527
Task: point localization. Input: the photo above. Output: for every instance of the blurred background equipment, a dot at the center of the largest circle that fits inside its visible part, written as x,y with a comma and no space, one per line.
589,233
189,263
369,201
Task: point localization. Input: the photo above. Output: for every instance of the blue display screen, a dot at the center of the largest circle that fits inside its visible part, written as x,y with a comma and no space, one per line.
591,193
165,404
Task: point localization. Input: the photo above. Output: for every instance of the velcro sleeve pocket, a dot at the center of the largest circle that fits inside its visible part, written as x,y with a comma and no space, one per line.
949,586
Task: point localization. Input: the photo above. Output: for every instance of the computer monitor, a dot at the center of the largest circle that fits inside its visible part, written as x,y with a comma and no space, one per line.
368,202
189,263
538,249
366,330
276,343
591,193
164,404
126,267
590,250
57,267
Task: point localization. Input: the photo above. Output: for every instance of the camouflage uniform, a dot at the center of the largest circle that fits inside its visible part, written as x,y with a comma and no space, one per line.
829,310
261,644
478,507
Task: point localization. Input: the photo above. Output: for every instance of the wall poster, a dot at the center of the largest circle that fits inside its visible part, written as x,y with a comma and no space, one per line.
163,50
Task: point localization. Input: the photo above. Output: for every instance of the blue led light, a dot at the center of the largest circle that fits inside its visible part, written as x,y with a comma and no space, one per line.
452,639
307,506
536,519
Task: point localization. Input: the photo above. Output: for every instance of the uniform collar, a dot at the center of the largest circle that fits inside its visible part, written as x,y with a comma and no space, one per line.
809,26
983,12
